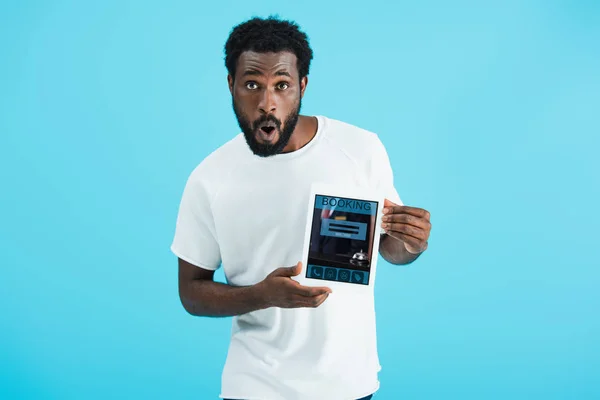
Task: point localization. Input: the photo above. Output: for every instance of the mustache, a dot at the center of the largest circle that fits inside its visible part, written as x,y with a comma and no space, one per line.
266,118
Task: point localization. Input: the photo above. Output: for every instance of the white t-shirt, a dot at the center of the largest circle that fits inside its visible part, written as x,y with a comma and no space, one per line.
248,214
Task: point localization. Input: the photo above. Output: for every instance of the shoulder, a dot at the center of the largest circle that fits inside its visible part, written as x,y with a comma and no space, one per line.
215,167
357,142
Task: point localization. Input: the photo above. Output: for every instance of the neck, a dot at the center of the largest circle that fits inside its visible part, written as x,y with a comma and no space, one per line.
304,132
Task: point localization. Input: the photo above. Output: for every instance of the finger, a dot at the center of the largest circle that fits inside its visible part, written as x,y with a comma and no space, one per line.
307,291
388,203
410,230
288,271
321,299
417,212
310,302
407,219
411,241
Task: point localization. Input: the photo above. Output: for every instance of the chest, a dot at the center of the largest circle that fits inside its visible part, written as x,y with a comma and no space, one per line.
260,215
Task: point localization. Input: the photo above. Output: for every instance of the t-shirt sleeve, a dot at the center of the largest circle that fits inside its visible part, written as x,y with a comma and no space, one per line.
382,175
195,238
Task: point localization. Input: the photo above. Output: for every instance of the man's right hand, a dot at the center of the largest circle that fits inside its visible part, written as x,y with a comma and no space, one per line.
278,289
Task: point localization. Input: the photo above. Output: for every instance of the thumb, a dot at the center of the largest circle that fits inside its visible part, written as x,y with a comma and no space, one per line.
288,271
387,203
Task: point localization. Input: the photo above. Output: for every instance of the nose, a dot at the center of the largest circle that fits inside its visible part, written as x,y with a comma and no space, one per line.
267,102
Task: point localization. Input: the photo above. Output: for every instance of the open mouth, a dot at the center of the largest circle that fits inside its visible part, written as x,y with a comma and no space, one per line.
267,129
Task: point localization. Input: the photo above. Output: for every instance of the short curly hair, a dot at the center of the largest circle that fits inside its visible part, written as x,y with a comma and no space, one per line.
268,35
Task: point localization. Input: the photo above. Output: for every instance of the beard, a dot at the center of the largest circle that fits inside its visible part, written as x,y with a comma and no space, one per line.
250,130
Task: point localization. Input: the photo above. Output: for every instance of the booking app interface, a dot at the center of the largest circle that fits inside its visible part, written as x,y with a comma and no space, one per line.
341,240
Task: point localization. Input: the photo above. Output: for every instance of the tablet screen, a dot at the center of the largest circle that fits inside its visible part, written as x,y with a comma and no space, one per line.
342,239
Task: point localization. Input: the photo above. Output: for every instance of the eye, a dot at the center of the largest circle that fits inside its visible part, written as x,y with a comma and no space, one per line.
282,85
251,85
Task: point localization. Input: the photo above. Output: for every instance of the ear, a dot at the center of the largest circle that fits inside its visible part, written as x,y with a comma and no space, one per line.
303,83
230,83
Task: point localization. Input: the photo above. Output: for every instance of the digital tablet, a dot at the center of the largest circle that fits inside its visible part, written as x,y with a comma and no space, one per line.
341,243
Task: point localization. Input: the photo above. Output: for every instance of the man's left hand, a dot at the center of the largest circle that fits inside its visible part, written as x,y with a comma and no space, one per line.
411,225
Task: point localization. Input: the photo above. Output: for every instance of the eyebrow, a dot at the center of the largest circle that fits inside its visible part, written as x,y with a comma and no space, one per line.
254,72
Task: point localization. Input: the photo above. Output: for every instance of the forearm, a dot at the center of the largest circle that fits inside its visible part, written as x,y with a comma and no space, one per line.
393,251
214,299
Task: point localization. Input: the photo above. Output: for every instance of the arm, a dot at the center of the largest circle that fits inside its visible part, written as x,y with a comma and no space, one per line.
200,295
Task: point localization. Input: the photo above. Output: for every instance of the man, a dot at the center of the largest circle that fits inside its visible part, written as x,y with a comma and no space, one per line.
243,207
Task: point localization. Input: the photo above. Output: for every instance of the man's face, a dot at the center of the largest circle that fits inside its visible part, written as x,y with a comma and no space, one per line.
267,95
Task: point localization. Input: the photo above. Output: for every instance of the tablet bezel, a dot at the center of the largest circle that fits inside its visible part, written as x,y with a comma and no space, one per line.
360,194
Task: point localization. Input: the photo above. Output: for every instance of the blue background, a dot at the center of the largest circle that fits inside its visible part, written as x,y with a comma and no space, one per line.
489,112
